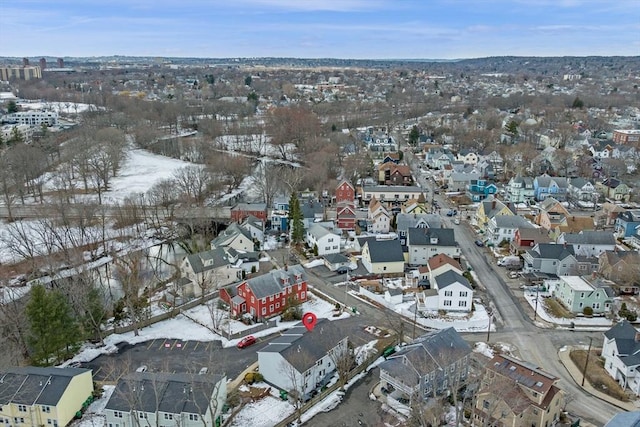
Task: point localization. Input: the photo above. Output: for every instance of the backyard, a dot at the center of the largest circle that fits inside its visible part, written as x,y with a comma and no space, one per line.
597,375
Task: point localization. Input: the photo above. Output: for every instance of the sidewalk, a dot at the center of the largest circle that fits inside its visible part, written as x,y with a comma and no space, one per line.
576,374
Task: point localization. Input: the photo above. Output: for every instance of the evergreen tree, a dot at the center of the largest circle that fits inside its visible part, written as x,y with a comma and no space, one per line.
16,137
54,333
12,107
295,220
414,135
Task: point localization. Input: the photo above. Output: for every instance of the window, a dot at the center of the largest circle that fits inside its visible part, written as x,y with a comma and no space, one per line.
302,295
264,300
168,416
463,293
447,303
117,414
142,415
46,409
271,307
193,417
22,408
462,303
448,293
264,311
277,305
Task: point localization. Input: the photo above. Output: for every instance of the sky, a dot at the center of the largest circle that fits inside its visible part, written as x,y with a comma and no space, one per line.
350,29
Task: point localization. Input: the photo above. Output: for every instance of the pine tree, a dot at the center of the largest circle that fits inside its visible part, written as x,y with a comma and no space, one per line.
414,135
53,331
295,220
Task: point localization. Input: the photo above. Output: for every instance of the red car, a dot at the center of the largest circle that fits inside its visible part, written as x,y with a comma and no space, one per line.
246,341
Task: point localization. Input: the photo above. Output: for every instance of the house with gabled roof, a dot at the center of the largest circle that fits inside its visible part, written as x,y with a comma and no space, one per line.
614,189
416,220
326,241
551,213
572,224
415,205
255,227
424,243
502,228
621,353
159,398
480,189
383,256
550,258
242,210
394,174
548,186
520,189
346,216
579,292
622,268
437,265
627,223
449,291
266,295
589,243
236,237
491,208
581,190
43,396
526,238
209,270
426,367
458,181
300,360
517,393
345,192
378,217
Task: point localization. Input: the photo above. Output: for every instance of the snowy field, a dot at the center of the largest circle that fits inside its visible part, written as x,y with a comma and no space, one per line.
58,107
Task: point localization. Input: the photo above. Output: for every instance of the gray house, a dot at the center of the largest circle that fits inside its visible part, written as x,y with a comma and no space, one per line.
146,398
424,243
550,258
405,221
429,366
589,243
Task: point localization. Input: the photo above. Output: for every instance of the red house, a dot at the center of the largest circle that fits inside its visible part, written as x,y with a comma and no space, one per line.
266,296
242,210
346,216
526,238
345,192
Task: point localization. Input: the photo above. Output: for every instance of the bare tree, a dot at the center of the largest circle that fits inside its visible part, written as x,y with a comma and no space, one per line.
266,181
130,271
343,361
194,182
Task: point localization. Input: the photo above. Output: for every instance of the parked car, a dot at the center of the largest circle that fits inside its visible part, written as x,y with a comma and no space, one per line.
456,221
142,368
246,341
342,270
513,274
479,243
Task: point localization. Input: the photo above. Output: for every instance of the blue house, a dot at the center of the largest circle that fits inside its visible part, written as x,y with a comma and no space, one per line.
547,186
480,189
627,222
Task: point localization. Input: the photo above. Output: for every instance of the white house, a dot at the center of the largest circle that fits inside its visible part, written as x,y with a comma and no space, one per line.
209,270
503,228
255,227
235,237
157,398
450,292
326,241
300,361
621,353
378,217
589,243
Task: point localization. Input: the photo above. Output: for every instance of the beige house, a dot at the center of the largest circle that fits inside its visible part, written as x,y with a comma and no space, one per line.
378,217
383,256
516,393
209,270
32,396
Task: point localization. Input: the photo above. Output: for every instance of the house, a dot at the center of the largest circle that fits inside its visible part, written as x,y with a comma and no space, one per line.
480,189
406,221
383,256
458,181
236,237
267,295
626,136
431,365
614,189
589,243
520,189
581,190
159,398
255,227
491,208
577,293
621,354
312,211
526,238
208,271
424,243
393,296
606,217
550,258
622,268
572,224
378,217
547,186
33,396
345,192
242,210
323,239
393,174
335,261
468,157
551,213
517,393
394,194
502,228
415,206
346,216
300,361
450,291
627,223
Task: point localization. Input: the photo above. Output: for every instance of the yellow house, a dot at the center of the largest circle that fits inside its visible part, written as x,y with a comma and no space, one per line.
491,208
383,256
415,205
31,396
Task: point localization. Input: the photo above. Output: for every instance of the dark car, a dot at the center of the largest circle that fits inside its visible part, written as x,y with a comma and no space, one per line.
246,341
479,243
342,270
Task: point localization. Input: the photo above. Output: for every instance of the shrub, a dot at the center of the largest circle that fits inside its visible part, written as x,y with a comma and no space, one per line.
588,311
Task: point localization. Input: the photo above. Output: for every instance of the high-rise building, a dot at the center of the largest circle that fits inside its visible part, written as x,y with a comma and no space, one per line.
60,63
43,63
20,73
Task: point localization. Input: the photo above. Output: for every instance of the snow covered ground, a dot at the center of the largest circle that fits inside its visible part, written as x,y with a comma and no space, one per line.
58,107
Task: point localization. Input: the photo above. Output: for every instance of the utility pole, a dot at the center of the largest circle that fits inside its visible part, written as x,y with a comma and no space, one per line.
535,313
586,363
489,328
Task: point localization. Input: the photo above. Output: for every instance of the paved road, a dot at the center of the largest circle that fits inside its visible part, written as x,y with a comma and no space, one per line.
539,346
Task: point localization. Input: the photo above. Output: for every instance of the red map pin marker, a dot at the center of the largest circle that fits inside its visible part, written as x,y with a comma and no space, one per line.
309,320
